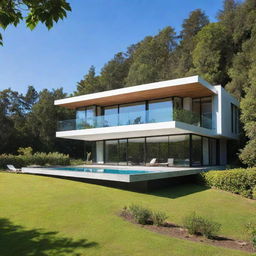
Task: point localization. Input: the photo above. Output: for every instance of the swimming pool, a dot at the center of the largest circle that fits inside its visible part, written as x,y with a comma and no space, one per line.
100,170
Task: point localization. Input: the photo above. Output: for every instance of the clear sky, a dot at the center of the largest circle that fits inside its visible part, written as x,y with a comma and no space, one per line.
93,32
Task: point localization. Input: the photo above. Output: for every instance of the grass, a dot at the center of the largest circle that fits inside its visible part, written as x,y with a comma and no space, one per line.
42,216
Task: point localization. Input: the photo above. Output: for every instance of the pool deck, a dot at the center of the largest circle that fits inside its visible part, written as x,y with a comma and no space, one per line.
157,172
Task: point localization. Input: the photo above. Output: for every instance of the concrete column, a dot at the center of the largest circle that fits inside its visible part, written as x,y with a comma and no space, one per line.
99,152
187,103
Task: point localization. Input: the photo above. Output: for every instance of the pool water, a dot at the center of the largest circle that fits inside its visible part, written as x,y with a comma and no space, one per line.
100,170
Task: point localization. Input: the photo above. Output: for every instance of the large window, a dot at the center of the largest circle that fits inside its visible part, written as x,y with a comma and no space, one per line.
234,119
178,150
132,113
206,151
173,150
111,151
196,150
157,147
111,116
160,110
202,109
136,151
85,117
213,151
123,152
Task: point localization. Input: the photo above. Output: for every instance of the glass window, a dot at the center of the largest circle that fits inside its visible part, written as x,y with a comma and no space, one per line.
197,111
80,118
157,147
234,119
206,115
178,150
111,151
160,111
205,151
123,152
132,113
213,151
111,116
136,151
90,116
196,150
177,103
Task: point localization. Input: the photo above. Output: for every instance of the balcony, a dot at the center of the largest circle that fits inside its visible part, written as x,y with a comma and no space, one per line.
137,117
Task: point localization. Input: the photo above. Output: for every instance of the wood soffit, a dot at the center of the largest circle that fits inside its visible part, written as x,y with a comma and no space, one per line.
193,90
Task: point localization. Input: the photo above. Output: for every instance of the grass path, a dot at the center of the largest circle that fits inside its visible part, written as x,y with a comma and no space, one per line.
42,216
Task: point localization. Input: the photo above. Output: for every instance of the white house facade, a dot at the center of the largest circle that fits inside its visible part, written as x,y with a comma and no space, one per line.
180,122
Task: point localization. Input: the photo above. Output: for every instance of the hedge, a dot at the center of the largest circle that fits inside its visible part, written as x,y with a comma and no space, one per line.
238,181
35,159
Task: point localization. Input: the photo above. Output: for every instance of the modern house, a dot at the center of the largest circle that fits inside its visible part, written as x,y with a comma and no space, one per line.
180,122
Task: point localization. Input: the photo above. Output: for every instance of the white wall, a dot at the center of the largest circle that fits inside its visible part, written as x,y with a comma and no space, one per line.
99,152
222,112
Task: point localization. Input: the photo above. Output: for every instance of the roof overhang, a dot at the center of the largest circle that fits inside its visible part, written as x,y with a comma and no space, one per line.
193,86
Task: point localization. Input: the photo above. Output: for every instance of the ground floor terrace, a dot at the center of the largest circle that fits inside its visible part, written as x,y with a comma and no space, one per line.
185,150
135,178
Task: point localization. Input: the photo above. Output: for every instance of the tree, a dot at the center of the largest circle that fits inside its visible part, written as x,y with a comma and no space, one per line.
190,27
89,84
114,73
12,12
210,56
150,58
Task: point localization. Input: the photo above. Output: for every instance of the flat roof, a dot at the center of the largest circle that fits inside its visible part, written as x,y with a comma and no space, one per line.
193,86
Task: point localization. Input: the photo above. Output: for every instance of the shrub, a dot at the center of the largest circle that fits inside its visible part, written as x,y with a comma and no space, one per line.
25,151
254,193
238,181
251,229
198,225
141,214
158,218
36,159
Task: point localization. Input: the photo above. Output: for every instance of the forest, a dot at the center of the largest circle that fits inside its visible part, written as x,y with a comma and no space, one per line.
221,52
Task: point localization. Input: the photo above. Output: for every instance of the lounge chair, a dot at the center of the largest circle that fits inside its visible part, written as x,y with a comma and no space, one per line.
152,162
12,168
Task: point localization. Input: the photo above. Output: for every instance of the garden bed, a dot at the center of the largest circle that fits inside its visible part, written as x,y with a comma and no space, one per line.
176,231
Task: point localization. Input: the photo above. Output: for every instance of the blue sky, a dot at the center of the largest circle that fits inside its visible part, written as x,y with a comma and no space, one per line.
93,32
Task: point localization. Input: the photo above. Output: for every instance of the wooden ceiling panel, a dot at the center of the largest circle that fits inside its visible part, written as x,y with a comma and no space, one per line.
192,90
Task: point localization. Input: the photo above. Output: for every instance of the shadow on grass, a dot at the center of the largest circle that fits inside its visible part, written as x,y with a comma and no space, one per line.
16,240
179,190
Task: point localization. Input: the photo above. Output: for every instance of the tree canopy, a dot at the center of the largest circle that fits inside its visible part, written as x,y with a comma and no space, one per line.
12,12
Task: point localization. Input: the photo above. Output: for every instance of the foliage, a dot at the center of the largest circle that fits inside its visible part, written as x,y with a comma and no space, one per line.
25,151
251,229
12,12
159,218
238,181
141,214
198,225
35,159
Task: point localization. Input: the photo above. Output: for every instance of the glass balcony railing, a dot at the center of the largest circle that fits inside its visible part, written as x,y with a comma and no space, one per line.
139,117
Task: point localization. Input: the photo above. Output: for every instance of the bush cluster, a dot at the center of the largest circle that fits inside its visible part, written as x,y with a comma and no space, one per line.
251,229
238,181
34,159
198,225
145,216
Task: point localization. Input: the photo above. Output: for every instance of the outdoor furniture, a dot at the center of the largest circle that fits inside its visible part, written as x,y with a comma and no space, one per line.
152,162
12,168
170,161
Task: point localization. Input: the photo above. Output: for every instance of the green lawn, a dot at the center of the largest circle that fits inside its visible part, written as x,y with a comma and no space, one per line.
42,216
